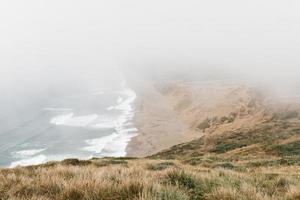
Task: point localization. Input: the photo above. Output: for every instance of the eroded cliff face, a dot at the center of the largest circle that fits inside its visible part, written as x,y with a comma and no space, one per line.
174,112
218,106
237,121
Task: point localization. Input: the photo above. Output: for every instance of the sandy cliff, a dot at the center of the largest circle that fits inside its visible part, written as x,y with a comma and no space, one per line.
174,112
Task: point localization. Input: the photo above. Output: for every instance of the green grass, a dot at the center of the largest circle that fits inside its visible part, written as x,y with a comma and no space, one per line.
226,165
204,125
286,115
76,162
110,161
222,148
289,149
160,166
188,182
168,193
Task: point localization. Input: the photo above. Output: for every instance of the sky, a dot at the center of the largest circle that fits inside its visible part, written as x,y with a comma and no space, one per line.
45,40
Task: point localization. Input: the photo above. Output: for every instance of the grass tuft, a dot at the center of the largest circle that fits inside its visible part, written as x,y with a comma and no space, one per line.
186,181
160,166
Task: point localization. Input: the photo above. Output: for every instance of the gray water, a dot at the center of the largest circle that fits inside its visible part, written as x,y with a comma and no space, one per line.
87,123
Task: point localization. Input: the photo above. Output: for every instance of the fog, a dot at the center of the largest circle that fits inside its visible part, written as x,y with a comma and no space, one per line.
64,64
54,43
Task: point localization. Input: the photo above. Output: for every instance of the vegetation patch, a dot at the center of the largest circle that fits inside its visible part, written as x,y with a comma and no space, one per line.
194,161
186,181
203,160
289,149
160,166
121,158
72,194
76,162
204,125
285,160
222,148
290,160
110,161
286,115
125,191
181,150
167,193
226,165
207,123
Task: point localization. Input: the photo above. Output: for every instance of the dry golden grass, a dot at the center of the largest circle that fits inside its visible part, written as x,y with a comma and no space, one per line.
145,179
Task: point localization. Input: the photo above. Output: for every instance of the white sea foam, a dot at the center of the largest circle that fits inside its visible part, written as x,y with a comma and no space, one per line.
117,147
42,158
30,161
27,153
75,121
58,109
125,105
61,119
104,125
110,145
115,144
98,144
81,121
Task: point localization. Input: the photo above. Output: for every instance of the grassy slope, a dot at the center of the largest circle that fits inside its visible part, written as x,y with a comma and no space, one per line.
258,163
274,142
113,178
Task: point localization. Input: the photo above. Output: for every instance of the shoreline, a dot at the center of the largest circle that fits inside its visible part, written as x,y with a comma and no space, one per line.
159,126
113,144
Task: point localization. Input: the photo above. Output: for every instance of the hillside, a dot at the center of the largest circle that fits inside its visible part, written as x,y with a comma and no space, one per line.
237,142
173,112
237,122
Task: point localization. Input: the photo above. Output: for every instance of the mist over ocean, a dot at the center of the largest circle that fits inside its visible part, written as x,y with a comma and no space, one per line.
77,122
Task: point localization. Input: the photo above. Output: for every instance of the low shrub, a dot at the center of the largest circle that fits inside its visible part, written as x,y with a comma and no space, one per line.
289,149
160,166
222,148
105,162
225,165
167,193
186,181
76,162
204,125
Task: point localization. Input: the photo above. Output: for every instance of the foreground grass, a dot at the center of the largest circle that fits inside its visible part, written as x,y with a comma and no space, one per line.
145,179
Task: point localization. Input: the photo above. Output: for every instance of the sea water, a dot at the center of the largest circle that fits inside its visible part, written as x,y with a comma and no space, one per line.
92,123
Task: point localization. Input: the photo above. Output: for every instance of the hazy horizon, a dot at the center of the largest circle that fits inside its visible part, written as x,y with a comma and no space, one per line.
41,38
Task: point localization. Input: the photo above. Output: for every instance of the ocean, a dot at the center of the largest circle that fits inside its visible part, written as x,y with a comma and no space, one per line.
83,124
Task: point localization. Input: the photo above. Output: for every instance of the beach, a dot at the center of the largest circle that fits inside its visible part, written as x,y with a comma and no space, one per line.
159,125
